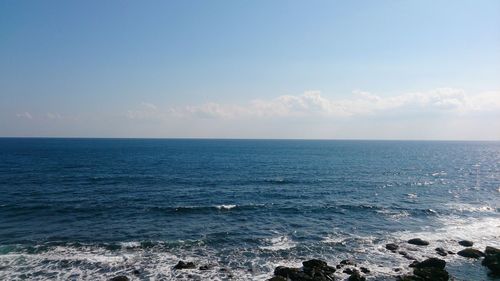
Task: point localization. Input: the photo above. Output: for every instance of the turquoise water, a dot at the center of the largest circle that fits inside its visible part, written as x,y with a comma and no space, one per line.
94,208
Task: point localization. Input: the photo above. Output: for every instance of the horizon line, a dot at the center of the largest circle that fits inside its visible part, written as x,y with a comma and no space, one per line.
254,139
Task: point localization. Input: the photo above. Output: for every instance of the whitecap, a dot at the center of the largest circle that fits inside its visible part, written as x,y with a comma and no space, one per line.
130,244
411,195
225,207
278,243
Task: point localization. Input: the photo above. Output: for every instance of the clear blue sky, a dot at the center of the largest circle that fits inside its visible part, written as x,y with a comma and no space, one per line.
379,69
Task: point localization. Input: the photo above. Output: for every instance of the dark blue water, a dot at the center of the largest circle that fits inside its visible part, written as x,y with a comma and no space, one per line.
94,208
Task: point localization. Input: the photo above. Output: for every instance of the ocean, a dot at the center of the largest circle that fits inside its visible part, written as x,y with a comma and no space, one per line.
91,209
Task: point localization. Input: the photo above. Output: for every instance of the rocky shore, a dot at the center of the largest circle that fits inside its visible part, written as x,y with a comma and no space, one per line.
429,269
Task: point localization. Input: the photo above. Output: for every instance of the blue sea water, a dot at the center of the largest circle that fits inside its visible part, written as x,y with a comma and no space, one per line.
90,209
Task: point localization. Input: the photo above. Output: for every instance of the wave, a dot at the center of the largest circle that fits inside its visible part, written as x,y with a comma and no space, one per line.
282,242
225,207
472,208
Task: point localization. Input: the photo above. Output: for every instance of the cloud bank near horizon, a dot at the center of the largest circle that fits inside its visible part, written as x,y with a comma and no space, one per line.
448,101
438,114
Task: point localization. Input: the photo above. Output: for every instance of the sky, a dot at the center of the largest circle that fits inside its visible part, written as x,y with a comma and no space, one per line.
427,70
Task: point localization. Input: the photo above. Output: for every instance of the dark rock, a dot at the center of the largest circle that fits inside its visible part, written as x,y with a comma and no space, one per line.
397,269
318,269
339,266
277,278
285,271
408,278
314,263
492,260
450,252
119,278
348,271
418,242
206,267
431,274
431,269
313,270
491,251
431,262
466,243
136,272
291,273
414,264
403,253
184,265
355,276
441,252
391,247
470,253
348,262
364,270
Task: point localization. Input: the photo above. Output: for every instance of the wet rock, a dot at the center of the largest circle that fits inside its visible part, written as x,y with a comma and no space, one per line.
277,278
289,273
397,269
364,270
450,252
492,260
348,262
119,278
431,274
431,262
136,272
318,269
314,263
313,270
205,267
466,243
184,265
470,253
356,276
431,269
441,252
491,251
391,247
418,242
414,264
348,271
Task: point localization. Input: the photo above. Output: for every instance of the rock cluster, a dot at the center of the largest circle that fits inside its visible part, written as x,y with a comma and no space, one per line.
312,270
184,265
318,270
431,269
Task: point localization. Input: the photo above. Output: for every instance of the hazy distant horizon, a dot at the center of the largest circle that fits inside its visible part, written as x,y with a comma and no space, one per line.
245,139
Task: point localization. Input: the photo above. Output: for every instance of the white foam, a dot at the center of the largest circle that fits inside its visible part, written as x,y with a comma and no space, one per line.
279,243
130,244
97,263
461,207
411,195
225,207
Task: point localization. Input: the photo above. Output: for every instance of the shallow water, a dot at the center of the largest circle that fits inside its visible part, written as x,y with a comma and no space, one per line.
94,208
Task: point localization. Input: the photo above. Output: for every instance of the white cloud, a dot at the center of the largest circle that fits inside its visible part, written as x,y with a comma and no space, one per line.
53,116
149,105
313,103
25,115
